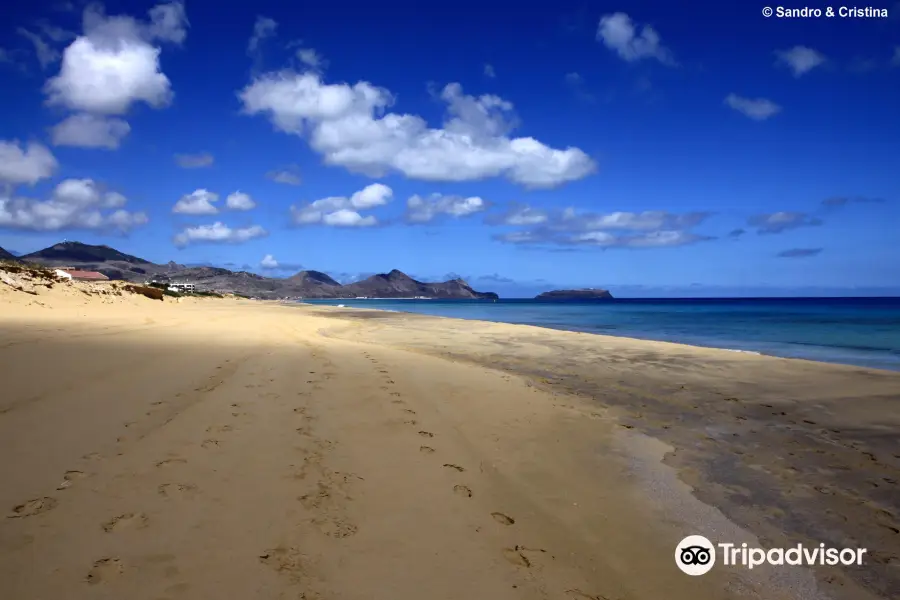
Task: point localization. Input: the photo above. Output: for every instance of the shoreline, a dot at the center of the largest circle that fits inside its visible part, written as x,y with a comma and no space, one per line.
748,352
234,448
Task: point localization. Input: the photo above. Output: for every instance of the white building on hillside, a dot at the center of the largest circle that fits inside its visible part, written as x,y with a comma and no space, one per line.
184,288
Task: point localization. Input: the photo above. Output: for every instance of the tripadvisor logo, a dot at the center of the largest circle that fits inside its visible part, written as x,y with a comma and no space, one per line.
696,555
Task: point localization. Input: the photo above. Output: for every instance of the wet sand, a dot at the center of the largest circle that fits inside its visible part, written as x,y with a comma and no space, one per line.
234,449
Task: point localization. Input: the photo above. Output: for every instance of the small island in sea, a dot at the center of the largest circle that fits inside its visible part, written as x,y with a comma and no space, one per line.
583,294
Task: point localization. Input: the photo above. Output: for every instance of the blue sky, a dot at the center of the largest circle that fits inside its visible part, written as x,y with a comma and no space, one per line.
648,147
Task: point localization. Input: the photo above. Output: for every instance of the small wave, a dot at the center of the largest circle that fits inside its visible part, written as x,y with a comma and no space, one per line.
743,351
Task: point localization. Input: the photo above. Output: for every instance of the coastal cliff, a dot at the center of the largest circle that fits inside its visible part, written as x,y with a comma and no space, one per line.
584,294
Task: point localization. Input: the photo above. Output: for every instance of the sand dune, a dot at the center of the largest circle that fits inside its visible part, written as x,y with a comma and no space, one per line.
232,449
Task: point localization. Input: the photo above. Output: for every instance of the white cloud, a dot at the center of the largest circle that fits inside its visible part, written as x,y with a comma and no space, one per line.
263,28
268,262
90,131
239,201
521,215
194,161
350,127
218,232
620,34
27,164
311,58
288,176
198,202
778,222
115,64
74,204
648,229
340,211
800,59
423,210
348,218
489,71
758,109
46,54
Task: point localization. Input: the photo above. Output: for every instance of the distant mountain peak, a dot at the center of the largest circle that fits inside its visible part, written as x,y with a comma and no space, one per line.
313,276
78,252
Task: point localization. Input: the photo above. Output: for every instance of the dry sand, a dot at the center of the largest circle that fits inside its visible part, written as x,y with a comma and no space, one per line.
235,449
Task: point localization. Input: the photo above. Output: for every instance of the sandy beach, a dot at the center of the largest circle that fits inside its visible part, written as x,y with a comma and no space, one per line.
221,448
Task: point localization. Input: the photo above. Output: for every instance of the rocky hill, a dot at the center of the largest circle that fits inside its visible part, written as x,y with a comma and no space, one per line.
305,284
584,294
6,255
400,285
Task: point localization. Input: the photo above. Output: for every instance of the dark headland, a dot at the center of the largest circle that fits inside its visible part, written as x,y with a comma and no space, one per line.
585,294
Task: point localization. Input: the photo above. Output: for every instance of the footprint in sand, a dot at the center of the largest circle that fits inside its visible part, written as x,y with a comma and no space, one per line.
105,569
69,477
128,520
395,394
426,434
288,561
426,449
582,596
456,467
462,490
170,461
33,507
210,443
411,422
515,557
174,490
409,410
502,519
219,428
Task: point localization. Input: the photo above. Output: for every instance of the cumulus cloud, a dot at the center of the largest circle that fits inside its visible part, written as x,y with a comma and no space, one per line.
424,210
340,211
778,222
73,204
25,164
85,130
115,62
630,41
239,201
218,233
799,59
758,109
268,262
351,127
489,71
799,252
736,233
194,161
198,202
287,176
646,229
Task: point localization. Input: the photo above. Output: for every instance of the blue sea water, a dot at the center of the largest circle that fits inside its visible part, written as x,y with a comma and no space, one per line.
854,331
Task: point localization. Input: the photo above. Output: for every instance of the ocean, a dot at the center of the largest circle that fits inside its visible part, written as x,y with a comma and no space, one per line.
853,331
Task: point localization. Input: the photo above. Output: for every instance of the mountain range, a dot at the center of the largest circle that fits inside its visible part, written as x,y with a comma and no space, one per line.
305,284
